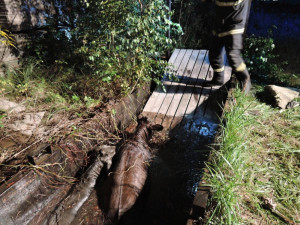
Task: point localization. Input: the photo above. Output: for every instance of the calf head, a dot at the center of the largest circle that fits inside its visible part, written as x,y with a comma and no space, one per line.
145,128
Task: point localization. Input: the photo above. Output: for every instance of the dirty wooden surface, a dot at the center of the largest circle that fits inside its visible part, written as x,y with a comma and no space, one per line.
186,98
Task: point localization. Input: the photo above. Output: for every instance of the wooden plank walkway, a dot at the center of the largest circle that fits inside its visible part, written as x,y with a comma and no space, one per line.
185,99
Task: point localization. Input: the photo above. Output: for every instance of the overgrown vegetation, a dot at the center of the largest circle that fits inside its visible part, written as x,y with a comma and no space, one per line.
92,51
262,61
105,47
254,174
88,53
28,84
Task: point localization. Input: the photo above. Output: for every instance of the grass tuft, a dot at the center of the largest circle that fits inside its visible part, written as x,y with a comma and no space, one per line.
254,168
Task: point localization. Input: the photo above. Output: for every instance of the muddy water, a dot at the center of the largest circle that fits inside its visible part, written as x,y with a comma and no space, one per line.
172,181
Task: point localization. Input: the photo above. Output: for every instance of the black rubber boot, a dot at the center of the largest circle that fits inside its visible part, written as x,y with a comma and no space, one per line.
244,80
217,80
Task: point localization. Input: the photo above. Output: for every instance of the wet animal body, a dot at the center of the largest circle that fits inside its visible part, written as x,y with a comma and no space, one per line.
128,176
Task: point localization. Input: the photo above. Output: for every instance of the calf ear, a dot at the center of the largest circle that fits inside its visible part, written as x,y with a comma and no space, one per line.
142,119
156,127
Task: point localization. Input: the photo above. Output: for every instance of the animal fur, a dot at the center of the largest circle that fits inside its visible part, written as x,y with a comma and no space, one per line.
128,176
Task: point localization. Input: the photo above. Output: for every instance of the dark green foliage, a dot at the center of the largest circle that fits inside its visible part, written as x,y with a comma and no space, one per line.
120,42
262,62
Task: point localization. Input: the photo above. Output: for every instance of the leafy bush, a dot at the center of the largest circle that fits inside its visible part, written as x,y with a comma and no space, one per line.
262,62
119,42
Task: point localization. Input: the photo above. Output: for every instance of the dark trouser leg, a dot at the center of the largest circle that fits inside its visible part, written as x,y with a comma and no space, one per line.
216,58
239,69
233,49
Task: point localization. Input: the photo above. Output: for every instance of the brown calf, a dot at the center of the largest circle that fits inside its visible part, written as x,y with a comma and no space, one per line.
128,176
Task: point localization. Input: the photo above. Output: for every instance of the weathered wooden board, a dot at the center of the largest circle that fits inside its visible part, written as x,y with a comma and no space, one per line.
169,105
170,84
181,98
187,98
174,62
19,16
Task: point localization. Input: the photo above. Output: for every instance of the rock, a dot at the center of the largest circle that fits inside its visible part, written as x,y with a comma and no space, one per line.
26,126
280,96
8,106
292,104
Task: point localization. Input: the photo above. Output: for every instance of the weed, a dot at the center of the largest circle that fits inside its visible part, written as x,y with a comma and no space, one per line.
75,98
90,102
2,116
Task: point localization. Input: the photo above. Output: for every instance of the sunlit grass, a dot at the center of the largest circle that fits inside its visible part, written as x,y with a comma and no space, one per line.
256,163
37,86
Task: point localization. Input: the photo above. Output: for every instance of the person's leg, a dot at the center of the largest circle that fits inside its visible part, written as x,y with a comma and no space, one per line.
216,58
233,45
239,69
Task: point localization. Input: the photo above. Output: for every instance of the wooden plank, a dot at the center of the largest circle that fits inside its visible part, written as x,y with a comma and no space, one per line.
180,89
175,92
185,98
202,102
9,57
197,89
209,99
174,62
16,17
181,99
8,54
168,84
181,60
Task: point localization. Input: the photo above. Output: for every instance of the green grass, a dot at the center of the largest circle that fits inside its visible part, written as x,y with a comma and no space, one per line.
40,86
2,116
255,162
42,89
